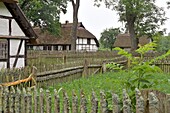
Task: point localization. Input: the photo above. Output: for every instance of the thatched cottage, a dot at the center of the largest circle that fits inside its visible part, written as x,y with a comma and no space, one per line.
86,41
123,41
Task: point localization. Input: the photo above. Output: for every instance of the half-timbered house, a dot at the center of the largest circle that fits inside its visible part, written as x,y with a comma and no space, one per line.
15,32
86,41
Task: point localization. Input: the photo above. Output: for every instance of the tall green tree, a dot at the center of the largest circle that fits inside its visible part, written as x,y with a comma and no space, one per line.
108,37
142,17
44,13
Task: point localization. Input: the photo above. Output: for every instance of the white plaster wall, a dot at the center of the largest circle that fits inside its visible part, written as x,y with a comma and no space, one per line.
41,47
77,41
3,10
3,65
37,47
16,31
14,44
91,47
20,62
4,27
4,23
93,41
84,41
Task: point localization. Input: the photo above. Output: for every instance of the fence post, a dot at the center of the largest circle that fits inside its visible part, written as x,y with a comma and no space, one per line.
48,102
64,59
56,102
85,70
83,103
25,102
126,103
115,102
41,100
29,101
74,103
104,67
103,103
18,101
153,103
65,103
1,99
94,103
167,103
12,100
6,100
36,101
140,107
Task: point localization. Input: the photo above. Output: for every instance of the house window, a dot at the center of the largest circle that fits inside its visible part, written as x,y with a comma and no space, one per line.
68,47
64,47
3,50
56,47
44,47
88,41
60,48
49,47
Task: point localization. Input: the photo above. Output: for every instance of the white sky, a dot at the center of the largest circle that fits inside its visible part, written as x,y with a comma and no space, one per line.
97,19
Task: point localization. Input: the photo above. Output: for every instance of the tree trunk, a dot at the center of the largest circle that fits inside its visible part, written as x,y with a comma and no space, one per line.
134,41
130,17
75,23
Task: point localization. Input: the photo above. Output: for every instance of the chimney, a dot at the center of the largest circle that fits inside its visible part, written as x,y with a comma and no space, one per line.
66,22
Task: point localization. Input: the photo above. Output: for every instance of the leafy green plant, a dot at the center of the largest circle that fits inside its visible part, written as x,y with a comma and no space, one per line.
140,70
114,66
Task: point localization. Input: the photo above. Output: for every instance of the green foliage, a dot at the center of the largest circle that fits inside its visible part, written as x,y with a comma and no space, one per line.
108,37
114,66
141,68
141,17
163,43
141,71
44,14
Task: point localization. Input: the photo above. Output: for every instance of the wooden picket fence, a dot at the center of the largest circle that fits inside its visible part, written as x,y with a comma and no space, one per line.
14,100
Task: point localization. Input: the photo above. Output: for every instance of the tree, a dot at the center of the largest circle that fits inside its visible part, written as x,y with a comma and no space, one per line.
163,42
75,5
44,13
142,17
108,37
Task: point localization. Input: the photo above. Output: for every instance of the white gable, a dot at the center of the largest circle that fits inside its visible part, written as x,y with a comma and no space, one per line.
4,23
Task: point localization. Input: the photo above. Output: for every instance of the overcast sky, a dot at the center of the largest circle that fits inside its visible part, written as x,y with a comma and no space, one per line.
97,19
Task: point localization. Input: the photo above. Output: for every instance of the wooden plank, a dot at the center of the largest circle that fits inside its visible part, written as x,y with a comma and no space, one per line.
6,17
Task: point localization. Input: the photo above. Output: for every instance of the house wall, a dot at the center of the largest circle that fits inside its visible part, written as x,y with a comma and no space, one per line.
14,47
82,45
4,23
13,43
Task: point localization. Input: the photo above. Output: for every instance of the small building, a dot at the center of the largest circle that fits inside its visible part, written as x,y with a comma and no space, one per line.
123,41
86,41
15,32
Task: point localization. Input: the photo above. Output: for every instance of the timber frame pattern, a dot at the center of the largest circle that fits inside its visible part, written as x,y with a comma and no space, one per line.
21,20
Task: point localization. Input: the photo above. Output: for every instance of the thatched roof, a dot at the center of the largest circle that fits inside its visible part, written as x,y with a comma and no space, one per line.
19,17
64,37
123,40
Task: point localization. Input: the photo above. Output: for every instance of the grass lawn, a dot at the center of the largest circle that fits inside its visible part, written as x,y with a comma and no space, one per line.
111,82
